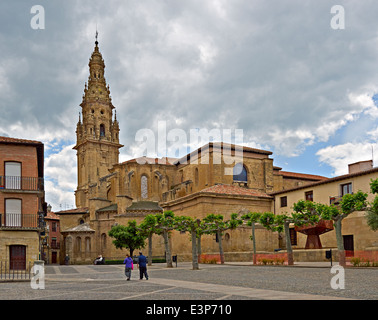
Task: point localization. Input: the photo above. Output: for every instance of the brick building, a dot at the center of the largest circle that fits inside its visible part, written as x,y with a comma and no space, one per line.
51,238
21,200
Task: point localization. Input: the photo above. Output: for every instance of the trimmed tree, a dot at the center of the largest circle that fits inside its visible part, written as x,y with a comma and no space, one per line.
165,223
348,204
148,228
214,224
372,210
282,222
127,237
251,218
195,228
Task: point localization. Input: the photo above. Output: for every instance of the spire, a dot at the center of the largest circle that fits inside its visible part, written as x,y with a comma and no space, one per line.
97,89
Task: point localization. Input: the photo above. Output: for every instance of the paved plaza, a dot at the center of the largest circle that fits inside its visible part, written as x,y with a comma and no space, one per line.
211,282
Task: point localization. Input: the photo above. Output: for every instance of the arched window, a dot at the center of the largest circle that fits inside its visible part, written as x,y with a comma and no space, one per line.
102,130
103,241
144,187
240,173
78,245
87,246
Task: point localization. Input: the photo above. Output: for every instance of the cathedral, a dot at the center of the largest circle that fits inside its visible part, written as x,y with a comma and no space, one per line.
110,193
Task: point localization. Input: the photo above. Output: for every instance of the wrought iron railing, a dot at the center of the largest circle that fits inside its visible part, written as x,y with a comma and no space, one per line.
18,220
15,270
21,183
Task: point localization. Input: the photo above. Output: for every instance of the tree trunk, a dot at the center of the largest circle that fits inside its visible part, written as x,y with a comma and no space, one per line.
221,253
254,244
194,250
199,248
340,242
168,255
289,250
150,249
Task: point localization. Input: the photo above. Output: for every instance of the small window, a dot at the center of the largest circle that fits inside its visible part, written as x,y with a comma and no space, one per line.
283,201
309,196
144,187
102,130
346,188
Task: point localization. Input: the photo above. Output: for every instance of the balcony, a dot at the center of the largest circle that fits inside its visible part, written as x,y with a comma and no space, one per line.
12,221
14,183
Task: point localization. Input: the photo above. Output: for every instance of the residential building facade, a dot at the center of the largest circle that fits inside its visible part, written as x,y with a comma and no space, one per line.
22,203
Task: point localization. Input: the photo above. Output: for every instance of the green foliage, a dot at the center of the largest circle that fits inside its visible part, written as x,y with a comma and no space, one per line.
353,202
127,237
372,215
165,222
215,223
372,211
374,186
251,217
267,220
148,225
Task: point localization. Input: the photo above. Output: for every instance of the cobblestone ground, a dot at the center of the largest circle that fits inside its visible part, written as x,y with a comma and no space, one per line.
211,282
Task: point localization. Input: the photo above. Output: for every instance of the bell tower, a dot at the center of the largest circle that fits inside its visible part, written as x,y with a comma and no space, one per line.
97,134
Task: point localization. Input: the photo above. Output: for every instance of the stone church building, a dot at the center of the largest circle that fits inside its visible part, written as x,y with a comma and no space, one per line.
110,193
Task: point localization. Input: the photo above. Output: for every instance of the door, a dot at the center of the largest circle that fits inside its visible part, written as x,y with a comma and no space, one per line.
348,245
13,212
53,257
17,256
12,175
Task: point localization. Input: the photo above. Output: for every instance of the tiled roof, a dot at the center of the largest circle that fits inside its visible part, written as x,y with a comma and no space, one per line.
144,206
329,180
18,141
234,190
112,207
52,215
73,211
147,160
313,177
80,228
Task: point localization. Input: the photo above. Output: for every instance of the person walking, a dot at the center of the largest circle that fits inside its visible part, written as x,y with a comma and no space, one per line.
142,265
129,265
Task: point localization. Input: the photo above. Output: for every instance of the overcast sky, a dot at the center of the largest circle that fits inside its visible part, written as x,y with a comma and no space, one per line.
275,69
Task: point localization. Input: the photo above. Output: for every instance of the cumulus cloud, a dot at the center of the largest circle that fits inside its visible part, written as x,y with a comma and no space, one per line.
60,177
277,71
338,157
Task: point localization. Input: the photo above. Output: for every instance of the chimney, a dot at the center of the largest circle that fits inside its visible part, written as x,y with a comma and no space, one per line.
360,166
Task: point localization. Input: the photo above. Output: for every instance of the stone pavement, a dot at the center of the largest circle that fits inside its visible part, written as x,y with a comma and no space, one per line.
232,281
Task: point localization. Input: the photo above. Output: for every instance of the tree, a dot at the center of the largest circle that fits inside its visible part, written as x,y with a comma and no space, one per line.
214,223
148,228
279,223
194,226
165,222
252,218
282,222
127,236
372,210
348,204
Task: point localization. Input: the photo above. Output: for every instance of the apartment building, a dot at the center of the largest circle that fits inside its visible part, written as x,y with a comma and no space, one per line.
22,204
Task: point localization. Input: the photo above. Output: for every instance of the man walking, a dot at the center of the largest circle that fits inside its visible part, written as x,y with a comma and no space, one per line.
142,265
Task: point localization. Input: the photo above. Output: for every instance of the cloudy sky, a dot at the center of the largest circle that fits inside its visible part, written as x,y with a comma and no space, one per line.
278,70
